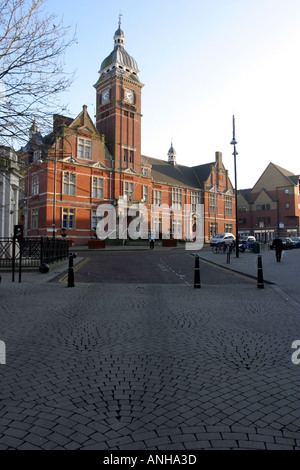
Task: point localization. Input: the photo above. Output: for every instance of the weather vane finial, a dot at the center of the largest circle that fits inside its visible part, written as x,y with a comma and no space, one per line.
120,19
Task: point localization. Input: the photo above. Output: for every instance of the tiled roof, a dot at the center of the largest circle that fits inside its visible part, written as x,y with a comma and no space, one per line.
178,175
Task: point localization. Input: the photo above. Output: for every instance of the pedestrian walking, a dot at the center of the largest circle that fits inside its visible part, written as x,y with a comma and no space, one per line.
151,241
278,245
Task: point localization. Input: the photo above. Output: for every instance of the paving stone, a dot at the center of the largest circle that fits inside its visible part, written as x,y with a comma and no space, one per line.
39,431
133,446
167,388
169,431
285,441
234,435
270,446
172,447
260,438
11,442
158,441
78,437
36,440
252,445
19,433
197,445
63,430
223,444
122,440
201,436
142,436
58,439
183,437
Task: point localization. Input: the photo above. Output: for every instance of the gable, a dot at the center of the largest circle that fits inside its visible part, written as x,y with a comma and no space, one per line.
263,198
273,176
99,165
130,171
83,123
84,130
242,201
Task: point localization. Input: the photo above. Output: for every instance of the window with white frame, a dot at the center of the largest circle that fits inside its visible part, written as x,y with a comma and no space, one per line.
156,227
34,219
68,218
146,194
195,199
157,198
177,228
228,228
131,154
228,205
85,149
213,203
69,183
37,155
176,198
213,229
35,185
95,219
125,155
128,190
97,188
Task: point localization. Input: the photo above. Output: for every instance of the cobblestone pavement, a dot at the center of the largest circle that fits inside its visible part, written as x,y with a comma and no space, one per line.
128,367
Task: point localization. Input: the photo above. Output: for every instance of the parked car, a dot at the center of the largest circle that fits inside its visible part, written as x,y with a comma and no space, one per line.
247,239
296,241
287,243
246,242
227,238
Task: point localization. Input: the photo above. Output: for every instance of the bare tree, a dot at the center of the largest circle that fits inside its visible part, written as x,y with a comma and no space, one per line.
32,76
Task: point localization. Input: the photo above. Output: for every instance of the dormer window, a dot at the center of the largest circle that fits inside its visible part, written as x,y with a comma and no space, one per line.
145,171
85,149
36,155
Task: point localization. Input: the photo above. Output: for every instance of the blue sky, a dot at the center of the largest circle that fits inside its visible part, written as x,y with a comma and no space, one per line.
201,61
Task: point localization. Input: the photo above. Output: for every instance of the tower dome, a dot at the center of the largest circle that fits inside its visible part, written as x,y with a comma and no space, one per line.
119,60
172,155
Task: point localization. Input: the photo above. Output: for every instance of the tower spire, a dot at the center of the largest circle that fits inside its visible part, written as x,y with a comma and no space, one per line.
119,37
172,155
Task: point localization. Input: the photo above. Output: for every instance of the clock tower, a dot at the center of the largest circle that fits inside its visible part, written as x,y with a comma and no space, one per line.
118,106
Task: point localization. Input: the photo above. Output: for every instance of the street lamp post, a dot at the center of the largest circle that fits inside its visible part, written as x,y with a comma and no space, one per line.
234,143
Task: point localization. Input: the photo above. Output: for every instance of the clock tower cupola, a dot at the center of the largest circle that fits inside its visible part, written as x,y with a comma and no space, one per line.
118,105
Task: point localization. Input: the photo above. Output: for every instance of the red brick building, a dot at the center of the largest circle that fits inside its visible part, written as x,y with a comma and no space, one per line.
272,207
80,166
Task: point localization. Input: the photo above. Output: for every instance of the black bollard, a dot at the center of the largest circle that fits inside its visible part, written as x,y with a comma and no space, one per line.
197,283
228,251
260,279
71,270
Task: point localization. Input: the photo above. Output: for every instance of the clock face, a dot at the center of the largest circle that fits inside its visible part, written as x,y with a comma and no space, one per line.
105,96
129,96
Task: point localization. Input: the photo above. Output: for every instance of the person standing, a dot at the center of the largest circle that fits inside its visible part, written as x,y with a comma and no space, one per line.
151,241
278,245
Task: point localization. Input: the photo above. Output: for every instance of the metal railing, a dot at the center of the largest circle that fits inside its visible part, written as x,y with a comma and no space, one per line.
31,252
